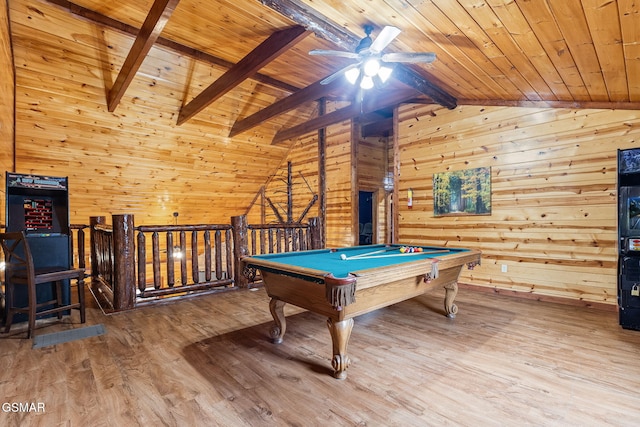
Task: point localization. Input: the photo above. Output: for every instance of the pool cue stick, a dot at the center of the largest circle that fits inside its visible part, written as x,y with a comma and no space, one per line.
404,254
371,253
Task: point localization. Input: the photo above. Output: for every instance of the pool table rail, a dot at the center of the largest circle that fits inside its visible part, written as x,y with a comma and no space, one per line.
428,268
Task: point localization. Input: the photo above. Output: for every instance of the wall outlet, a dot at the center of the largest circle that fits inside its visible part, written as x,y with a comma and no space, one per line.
504,268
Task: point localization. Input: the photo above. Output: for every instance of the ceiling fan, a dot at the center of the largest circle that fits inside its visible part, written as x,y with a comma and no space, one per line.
372,64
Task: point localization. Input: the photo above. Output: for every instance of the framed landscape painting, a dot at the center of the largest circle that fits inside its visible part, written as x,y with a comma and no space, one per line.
464,192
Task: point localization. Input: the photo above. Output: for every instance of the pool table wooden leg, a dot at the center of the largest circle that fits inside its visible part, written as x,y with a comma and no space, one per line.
340,333
277,331
451,290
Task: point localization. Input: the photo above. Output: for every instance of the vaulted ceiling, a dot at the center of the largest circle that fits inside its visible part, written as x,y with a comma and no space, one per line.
556,53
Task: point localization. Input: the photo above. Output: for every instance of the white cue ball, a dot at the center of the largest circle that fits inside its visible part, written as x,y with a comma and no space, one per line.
343,256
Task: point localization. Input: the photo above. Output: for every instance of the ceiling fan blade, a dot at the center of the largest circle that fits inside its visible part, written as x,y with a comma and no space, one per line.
338,73
409,57
340,53
385,37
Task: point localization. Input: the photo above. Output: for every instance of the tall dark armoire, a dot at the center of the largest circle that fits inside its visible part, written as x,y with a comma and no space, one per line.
39,206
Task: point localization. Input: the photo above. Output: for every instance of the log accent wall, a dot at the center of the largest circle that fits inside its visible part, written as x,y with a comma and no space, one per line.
7,114
553,219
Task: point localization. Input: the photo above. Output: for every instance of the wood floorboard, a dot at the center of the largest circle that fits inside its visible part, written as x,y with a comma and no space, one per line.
207,361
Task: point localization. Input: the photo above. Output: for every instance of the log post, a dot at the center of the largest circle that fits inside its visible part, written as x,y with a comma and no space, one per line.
322,169
124,292
93,221
289,194
316,233
240,249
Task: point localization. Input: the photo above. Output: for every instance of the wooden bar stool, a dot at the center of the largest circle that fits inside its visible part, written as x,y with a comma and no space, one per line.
19,271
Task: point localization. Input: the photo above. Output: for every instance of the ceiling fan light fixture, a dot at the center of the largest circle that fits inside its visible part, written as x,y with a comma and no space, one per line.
366,83
384,73
352,75
371,67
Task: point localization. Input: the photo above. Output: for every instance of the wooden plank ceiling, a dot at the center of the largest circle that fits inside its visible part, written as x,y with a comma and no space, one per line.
557,53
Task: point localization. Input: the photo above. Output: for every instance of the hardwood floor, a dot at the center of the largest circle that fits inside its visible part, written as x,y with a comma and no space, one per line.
208,362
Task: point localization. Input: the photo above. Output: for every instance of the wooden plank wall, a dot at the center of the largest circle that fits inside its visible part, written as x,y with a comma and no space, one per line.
373,164
135,160
339,201
7,80
553,220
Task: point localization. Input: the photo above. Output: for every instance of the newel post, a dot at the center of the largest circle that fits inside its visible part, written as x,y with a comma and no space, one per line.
316,233
240,249
124,292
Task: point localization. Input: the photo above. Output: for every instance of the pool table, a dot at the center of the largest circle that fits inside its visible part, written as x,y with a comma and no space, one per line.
346,282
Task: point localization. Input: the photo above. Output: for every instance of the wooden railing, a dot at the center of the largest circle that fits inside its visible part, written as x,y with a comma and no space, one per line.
102,263
202,254
277,238
182,260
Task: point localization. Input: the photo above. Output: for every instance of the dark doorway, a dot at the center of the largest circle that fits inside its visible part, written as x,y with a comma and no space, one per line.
365,217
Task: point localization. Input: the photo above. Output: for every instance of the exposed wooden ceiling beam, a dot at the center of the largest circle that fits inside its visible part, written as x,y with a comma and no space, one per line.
151,28
267,51
320,25
598,105
310,93
327,29
412,78
105,21
343,114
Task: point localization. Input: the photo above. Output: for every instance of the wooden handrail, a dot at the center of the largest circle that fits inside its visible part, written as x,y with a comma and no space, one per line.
276,226
198,227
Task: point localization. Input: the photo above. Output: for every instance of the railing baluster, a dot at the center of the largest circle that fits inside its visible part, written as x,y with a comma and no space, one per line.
183,258
262,240
207,256
195,270
78,246
82,260
271,240
294,240
157,278
218,255
301,241
228,246
142,263
254,244
279,240
286,234
170,261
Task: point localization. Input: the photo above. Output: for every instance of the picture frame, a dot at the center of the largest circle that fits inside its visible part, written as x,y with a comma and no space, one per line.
462,192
